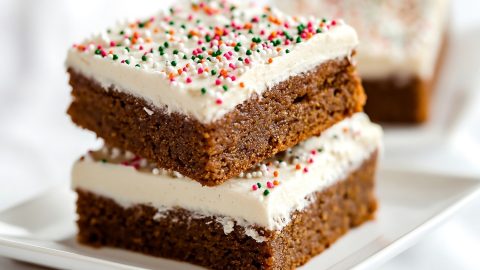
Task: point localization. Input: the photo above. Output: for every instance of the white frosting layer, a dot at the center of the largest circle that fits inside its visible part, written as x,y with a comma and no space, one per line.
153,81
397,38
317,164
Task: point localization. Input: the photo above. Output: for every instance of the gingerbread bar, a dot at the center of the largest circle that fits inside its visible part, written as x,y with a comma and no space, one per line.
402,44
277,215
211,89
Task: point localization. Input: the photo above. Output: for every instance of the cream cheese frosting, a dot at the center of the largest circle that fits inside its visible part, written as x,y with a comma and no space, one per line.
205,58
264,197
397,38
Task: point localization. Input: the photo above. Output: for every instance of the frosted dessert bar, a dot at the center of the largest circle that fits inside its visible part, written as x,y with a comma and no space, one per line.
211,88
277,215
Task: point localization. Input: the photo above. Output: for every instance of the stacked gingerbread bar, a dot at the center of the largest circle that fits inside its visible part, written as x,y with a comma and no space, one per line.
234,136
402,44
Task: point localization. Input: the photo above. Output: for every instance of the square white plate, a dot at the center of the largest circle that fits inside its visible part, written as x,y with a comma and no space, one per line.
42,231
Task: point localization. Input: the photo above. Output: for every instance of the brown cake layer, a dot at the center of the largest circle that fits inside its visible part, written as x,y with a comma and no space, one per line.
402,100
202,241
290,112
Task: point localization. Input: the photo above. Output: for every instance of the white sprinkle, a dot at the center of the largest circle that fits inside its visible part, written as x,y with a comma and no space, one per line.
129,155
115,152
155,171
149,112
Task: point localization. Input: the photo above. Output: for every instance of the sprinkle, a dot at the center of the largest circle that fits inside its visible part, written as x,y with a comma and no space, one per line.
254,187
275,173
305,170
270,184
298,167
276,183
218,101
266,192
270,60
259,185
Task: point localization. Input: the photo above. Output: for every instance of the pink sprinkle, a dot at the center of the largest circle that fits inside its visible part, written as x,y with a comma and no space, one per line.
230,53
123,62
303,35
189,80
286,25
310,160
232,66
233,78
247,61
103,53
99,47
112,44
313,152
218,82
218,101
140,48
305,170
270,184
199,42
262,32
200,70
334,22
190,17
254,187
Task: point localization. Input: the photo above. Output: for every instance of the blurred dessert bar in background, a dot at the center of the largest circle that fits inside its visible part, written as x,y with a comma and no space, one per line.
400,53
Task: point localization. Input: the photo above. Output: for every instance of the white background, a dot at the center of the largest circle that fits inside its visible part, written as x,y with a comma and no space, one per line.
38,143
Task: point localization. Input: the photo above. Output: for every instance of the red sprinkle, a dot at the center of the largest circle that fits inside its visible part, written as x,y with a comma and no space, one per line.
305,170
254,187
218,101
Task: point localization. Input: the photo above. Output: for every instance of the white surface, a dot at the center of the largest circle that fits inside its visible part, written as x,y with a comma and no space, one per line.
345,147
38,144
409,208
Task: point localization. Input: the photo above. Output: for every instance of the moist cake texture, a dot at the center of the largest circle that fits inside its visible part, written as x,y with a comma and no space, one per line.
401,45
210,89
277,215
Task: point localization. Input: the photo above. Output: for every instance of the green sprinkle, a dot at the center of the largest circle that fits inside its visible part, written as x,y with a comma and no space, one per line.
175,51
137,65
319,31
98,51
115,57
287,51
249,52
128,49
104,161
266,192
259,185
299,39
237,49
208,38
183,26
214,72
171,23
174,63
203,90
165,44
240,59
128,62
189,36
185,57
320,150
141,25
225,88
122,33
144,58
